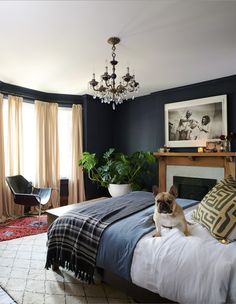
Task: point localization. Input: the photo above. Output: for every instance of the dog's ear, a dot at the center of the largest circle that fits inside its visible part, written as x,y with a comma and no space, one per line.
173,191
155,190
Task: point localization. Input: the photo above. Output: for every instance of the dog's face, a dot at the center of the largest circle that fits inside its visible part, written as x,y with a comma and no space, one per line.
167,212
165,202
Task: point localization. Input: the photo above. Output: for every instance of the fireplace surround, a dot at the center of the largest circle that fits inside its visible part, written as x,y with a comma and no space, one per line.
225,160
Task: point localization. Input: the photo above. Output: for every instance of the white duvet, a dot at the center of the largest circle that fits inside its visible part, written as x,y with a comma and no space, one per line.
194,269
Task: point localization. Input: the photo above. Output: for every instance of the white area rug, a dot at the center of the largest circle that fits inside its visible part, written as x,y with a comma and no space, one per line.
23,276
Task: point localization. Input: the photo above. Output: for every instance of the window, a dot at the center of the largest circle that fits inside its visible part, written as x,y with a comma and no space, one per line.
29,139
65,138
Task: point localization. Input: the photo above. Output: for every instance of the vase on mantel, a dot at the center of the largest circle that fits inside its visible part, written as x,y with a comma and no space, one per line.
227,145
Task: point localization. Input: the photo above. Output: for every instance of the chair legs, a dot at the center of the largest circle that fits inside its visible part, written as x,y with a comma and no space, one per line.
40,211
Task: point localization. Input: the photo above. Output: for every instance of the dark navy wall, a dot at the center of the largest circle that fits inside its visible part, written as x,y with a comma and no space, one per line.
99,125
139,124
98,135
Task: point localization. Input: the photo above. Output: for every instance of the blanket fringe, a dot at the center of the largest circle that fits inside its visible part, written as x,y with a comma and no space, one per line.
80,274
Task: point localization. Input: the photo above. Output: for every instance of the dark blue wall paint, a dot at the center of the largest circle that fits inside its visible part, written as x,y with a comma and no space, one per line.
139,124
98,135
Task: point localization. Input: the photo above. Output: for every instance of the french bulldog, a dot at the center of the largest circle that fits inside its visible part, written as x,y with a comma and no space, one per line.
167,212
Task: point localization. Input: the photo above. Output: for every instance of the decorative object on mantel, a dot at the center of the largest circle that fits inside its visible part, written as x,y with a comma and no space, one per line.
164,149
226,141
200,149
214,146
106,89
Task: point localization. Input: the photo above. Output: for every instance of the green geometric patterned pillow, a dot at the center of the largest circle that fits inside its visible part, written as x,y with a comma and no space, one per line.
217,211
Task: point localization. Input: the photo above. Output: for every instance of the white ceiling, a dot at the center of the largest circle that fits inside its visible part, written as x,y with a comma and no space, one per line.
55,46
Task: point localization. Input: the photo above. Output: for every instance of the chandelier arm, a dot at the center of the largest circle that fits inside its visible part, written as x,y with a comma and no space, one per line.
131,90
120,88
126,85
96,90
108,84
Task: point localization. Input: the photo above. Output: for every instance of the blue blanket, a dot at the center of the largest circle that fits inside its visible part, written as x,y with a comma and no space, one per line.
118,241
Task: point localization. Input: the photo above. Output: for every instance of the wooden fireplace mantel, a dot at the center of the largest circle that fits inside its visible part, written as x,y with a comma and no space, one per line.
224,160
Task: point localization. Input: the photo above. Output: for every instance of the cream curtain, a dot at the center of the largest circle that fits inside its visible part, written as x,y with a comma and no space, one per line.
14,148
15,140
3,190
14,152
76,182
47,147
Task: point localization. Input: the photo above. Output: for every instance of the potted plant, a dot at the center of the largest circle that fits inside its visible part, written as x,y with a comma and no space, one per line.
114,168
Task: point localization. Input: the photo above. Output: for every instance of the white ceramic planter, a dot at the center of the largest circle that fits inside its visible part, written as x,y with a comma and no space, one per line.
117,190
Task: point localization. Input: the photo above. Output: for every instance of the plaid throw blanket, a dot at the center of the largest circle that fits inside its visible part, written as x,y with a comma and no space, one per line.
73,239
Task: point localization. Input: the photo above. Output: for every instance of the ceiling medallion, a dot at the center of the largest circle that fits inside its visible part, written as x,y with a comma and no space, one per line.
107,89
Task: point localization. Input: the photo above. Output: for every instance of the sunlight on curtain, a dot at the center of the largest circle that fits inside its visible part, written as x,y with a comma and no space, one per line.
29,131
15,136
5,124
65,140
29,142
47,148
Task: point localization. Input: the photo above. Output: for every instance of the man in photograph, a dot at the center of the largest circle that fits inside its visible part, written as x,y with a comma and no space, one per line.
184,129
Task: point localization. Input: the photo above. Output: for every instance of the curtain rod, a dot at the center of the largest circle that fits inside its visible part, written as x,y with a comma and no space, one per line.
30,99
26,99
30,95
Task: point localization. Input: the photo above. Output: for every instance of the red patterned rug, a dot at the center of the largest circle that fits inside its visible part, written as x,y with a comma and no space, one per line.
27,225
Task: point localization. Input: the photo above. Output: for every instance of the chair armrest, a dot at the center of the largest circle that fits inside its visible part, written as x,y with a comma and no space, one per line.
43,188
44,194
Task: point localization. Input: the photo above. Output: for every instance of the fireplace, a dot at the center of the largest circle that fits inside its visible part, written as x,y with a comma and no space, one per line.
224,161
193,187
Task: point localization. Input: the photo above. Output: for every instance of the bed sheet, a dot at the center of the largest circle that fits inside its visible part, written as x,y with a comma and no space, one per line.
194,269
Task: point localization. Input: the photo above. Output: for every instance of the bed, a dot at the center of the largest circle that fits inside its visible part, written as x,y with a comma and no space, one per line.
193,269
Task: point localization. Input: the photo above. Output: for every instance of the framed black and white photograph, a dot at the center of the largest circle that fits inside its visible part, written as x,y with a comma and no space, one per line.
192,123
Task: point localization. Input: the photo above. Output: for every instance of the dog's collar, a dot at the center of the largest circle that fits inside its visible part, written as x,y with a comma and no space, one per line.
170,227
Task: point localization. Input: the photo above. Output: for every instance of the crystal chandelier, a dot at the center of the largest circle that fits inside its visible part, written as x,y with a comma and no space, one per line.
107,89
